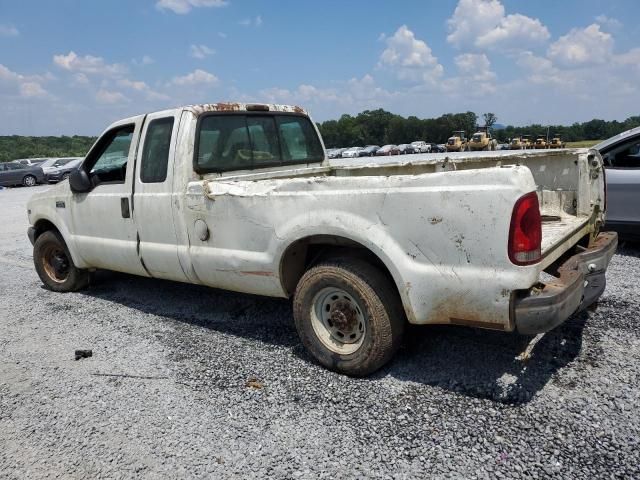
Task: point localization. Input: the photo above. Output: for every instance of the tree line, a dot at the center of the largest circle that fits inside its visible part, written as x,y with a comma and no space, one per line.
379,127
371,127
16,146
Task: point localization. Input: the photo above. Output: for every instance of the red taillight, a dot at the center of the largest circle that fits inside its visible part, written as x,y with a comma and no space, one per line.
525,232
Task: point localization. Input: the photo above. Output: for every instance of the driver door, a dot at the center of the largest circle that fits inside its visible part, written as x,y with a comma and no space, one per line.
102,223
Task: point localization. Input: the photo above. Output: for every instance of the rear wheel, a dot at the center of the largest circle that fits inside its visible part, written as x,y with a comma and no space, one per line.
348,315
29,181
55,266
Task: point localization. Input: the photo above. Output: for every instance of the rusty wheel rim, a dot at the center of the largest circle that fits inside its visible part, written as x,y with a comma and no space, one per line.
338,320
55,263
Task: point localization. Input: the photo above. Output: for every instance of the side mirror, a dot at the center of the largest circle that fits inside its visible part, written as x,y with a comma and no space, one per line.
80,181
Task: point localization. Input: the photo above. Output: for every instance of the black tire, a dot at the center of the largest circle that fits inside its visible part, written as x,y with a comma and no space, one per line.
378,304
55,266
29,181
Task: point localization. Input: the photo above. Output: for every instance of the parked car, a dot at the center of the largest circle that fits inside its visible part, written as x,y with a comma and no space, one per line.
63,171
438,148
421,146
621,156
54,164
361,249
405,149
12,174
333,153
388,150
34,162
353,152
369,151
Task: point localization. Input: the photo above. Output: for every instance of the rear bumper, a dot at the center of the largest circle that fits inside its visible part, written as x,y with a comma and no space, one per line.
581,282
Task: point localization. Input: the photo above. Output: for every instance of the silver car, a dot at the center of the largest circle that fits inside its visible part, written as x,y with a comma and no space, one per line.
621,155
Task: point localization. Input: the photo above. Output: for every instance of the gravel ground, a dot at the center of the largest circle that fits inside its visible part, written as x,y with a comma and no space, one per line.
192,382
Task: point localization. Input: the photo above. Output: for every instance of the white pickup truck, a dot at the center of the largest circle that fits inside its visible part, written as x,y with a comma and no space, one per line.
241,197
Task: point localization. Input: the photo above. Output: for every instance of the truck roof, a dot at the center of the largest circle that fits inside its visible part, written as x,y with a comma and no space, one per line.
240,107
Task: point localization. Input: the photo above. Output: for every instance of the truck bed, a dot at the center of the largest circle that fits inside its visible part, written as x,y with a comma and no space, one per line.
565,190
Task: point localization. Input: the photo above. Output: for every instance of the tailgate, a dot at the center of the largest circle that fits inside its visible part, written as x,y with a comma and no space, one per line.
571,193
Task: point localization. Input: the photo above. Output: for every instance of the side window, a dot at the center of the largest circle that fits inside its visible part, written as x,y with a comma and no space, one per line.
109,163
155,156
627,156
299,140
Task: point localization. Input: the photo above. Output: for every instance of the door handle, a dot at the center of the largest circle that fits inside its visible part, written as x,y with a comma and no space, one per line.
124,208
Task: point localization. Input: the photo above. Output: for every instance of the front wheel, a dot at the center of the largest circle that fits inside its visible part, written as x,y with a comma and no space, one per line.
55,266
29,181
349,316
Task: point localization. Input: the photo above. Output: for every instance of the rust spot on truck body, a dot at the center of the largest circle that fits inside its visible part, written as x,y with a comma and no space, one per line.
227,107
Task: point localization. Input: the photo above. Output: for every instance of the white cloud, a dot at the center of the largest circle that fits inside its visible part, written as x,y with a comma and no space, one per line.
182,7
197,77
354,95
251,22
26,86
475,66
110,98
145,60
541,71
410,57
200,51
142,87
8,31
582,47
32,89
483,24
87,64
81,79
612,23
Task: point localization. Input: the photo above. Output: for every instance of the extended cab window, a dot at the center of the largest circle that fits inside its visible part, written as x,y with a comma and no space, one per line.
242,142
109,164
155,157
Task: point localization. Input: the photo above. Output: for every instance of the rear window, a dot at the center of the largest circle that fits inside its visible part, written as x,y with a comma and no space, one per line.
226,142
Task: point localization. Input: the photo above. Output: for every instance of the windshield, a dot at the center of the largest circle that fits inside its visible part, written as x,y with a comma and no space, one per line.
477,137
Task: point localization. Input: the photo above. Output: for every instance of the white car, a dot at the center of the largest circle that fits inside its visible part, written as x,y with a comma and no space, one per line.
241,197
421,146
353,152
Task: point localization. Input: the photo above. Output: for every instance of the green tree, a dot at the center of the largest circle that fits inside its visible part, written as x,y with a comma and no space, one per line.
490,119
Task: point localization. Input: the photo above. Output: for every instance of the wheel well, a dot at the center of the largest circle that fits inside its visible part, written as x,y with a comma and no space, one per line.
42,226
309,251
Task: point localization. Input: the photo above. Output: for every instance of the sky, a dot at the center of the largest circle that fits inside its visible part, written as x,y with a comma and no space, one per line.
71,67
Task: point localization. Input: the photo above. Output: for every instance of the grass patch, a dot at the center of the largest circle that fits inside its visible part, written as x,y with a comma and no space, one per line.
583,144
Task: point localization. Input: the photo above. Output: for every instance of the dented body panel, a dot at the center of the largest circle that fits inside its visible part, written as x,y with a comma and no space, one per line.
439,223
